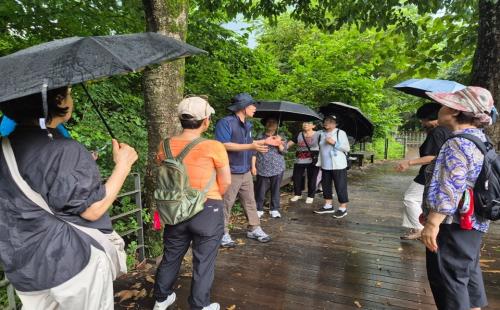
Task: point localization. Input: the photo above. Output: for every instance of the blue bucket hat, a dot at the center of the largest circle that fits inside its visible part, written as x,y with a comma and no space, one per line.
241,101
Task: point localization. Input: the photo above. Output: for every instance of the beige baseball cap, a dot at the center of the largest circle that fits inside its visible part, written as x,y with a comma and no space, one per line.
197,107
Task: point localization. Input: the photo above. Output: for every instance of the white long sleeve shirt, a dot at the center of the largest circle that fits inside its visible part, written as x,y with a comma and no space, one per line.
333,157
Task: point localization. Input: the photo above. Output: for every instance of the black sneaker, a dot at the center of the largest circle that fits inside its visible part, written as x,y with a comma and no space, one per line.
324,210
340,214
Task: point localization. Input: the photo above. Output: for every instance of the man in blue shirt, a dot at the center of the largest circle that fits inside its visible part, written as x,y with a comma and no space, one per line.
235,132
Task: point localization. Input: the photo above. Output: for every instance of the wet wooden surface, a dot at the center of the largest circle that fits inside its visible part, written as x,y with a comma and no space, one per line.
318,262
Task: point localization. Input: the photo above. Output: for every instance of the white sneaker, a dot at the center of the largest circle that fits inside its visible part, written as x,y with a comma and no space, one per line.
259,235
166,303
260,213
309,200
295,198
212,306
227,242
275,214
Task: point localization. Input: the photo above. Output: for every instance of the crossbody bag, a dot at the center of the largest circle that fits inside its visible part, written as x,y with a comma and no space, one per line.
112,243
314,154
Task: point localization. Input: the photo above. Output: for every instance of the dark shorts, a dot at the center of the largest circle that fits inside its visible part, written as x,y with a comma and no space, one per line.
453,272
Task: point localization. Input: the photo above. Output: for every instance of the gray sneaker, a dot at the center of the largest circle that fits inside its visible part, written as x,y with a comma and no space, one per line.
227,242
259,235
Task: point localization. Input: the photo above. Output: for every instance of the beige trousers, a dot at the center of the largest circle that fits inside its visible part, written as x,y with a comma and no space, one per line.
242,186
91,289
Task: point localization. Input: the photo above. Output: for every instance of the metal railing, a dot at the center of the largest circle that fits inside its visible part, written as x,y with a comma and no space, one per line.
137,211
139,231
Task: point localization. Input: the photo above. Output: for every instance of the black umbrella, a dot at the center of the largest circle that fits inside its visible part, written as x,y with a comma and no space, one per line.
74,60
350,119
285,111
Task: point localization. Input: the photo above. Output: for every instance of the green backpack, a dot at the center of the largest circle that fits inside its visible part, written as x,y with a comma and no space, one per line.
176,201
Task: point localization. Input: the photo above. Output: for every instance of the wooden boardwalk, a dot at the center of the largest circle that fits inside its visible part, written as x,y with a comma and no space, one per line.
317,262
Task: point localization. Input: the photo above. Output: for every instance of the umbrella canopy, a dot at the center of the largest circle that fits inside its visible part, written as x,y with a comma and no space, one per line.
285,111
74,60
350,119
418,87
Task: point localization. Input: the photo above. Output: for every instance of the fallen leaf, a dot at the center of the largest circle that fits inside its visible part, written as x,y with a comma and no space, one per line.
491,271
141,265
150,279
128,294
358,304
137,285
232,289
186,274
232,307
378,284
240,241
141,294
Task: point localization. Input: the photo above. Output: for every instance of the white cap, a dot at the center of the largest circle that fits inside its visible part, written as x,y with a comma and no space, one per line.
197,107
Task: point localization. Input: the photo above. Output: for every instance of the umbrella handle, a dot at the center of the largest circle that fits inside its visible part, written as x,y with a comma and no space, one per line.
98,111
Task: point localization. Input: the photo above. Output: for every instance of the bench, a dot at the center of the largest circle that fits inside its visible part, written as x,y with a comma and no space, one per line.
358,157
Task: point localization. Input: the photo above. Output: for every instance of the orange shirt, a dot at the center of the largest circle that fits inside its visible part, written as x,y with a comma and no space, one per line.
200,162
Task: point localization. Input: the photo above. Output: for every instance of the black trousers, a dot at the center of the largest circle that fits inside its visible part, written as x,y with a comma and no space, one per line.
262,185
454,273
339,178
312,175
205,232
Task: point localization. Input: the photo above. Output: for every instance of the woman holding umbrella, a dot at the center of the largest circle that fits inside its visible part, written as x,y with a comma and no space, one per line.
52,264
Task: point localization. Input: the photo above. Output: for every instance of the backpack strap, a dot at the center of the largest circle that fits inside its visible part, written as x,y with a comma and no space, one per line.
185,150
210,182
166,149
481,145
188,148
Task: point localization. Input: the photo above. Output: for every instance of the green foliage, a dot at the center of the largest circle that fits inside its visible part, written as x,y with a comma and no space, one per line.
230,66
346,66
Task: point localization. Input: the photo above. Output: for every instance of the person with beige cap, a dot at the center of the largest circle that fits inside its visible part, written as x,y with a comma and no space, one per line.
452,231
204,231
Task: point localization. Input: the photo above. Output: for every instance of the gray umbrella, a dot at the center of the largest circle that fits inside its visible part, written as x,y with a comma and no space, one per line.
78,59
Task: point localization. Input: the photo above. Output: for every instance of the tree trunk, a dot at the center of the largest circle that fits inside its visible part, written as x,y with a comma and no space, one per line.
163,85
486,65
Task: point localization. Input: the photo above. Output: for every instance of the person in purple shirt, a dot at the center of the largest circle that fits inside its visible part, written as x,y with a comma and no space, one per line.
453,248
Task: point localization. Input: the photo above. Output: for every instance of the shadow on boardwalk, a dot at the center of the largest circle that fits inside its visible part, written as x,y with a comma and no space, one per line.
317,262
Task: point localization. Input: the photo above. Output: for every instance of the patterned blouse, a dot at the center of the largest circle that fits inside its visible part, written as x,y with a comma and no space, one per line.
457,168
271,163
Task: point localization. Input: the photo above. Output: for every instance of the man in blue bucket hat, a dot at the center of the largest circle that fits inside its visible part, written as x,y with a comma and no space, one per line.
235,132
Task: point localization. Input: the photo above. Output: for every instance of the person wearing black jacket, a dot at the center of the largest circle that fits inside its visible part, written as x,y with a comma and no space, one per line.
412,201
